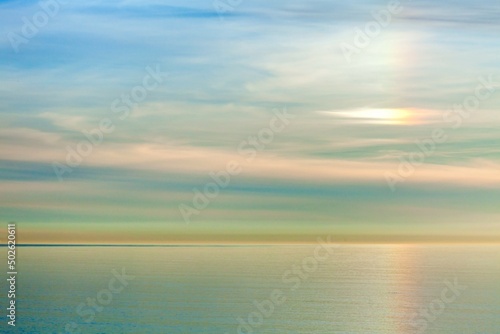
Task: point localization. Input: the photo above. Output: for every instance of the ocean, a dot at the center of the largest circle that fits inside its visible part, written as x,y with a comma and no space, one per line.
351,288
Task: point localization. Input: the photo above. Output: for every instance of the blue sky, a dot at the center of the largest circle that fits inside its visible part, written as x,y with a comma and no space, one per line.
227,75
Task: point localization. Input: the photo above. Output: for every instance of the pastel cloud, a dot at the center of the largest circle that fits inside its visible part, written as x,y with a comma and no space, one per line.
354,122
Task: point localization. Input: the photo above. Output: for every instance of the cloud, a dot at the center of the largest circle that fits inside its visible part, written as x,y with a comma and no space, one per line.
225,78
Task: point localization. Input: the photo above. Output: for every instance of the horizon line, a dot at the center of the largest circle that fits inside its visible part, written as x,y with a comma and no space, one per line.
258,244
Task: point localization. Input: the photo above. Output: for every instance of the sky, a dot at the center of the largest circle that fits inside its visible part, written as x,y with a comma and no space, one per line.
250,121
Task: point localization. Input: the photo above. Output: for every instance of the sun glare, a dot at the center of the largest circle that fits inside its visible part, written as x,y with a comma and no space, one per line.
387,116
397,116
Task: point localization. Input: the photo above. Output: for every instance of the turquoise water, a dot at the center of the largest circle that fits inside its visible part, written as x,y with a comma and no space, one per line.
271,289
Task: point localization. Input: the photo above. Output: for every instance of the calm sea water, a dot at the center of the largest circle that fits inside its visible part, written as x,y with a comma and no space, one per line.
272,289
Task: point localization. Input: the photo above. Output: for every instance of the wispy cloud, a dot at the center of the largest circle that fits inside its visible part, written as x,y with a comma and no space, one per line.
353,121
